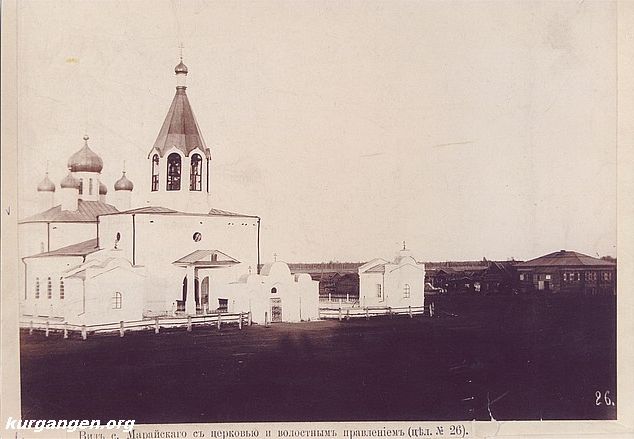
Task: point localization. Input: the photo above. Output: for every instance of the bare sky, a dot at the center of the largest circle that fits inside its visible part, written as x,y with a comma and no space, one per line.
467,129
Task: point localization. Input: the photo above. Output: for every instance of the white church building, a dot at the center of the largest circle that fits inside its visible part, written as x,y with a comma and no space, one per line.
86,261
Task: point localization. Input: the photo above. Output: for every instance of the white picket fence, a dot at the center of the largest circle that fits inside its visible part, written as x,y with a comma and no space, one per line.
367,312
217,320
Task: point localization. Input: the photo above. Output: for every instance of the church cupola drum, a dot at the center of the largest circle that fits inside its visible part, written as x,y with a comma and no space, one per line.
179,159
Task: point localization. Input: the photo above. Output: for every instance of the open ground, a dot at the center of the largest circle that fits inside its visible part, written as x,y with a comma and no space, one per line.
511,357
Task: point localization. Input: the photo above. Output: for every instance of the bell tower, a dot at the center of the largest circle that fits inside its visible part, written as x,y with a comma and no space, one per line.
179,160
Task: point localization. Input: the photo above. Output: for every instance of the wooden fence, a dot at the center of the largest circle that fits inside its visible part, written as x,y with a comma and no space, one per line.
210,320
367,312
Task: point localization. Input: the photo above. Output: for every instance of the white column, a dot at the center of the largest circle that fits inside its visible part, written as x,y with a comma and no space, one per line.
190,303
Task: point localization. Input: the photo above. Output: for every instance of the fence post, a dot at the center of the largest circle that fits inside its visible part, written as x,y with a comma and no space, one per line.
189,323
339,313
347,314
389,311
47,327
367,313
83,332
156,326
433,307
266,319
409,309
219,321
329,297
240,321
31,327
121,328
65,329
431,311
347,297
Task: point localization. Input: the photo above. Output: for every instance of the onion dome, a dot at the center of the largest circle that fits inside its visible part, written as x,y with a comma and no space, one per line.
85,160
69,182
123,184
103,189
46,185
180,68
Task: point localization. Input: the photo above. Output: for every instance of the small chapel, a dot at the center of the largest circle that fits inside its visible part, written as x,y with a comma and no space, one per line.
90,260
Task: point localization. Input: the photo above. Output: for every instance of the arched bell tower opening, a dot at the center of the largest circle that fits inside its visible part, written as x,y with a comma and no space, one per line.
179,159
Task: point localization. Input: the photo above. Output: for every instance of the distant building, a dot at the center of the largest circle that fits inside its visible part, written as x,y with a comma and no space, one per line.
392,284
568,272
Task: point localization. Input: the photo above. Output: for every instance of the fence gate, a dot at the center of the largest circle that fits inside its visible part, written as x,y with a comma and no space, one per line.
276,310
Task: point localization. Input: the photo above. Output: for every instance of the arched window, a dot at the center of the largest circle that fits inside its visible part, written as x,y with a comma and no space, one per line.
116,300
273,290
174,172
155,173
37,287
406,291
90,186
61,288
195,179
49,289
81,186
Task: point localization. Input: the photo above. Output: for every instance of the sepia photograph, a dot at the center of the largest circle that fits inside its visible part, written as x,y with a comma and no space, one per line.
315,211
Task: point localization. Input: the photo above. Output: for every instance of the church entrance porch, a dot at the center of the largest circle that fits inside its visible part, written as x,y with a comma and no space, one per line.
196,294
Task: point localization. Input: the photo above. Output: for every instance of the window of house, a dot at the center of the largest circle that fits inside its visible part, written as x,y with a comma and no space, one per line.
49,289
61,288
37,287
81,186
197,236
155,173
607,275
406,291
116,300
90,186
565,277
273,290
548,277
195,182
173,172
521,277
223,305
379,291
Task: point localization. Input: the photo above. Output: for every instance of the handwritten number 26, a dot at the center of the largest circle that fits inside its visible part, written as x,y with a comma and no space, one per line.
605,400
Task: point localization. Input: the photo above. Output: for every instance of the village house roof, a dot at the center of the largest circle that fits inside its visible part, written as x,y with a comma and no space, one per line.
565,258
87,212
80,249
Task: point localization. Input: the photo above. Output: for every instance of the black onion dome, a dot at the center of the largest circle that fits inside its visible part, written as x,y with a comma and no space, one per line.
123,184
85,160
46,185
69,182
180,68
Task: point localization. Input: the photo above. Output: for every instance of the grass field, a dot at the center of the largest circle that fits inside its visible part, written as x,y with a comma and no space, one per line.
528,357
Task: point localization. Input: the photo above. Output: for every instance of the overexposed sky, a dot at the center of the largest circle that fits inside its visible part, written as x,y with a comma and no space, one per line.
468,129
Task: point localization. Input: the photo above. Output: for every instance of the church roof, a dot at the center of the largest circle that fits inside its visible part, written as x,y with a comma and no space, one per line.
180,128
80,249
207,258
565,258
159,210
87,212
